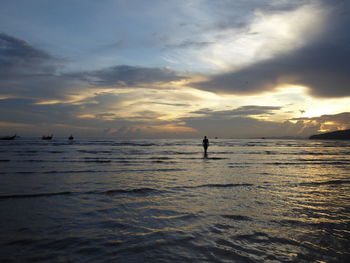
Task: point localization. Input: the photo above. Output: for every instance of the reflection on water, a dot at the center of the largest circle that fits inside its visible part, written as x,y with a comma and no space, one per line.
163,201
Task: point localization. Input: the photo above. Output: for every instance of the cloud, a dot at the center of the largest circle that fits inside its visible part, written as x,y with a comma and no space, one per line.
154,101
241,122
343,117
26,71
123,76
26,111
166,130
245,122
240,127
29,72
248,110
168,104
322,65
207,15
250,127
189,44
18,54
328,122
218,35
26,118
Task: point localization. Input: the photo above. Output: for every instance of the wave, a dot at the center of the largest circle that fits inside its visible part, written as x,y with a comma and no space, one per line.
97,161
213,186
133,144
224,185
261,237
216,158
132,191
325,162
160,158
12,196
142,190
237,217
331,182
179,153
62,172
94,151
101,171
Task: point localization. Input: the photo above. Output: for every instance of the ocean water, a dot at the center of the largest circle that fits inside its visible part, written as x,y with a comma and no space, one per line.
161,201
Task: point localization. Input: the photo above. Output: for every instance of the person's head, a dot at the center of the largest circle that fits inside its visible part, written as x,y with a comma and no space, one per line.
205,137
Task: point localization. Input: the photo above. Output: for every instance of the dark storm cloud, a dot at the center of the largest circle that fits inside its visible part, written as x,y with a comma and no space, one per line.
323,65
16,53
123,75
28,71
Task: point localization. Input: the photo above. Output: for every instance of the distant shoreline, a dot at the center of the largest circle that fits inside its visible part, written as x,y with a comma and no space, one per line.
335,135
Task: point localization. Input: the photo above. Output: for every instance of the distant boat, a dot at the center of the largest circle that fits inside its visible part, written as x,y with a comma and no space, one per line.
71,137
8,137
47,137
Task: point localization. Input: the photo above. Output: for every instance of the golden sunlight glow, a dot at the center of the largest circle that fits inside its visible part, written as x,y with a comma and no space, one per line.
297,26
77,99
177,100
317,107
158,129
293,100
50,102
331,126
323,130
5,97
330,123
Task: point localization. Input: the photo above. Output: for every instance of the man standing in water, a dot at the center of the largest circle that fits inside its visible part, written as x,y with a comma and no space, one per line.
205,145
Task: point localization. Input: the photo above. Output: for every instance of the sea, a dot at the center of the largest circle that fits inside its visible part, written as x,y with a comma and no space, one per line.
113,200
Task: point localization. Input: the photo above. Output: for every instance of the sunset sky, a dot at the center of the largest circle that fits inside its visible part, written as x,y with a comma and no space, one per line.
174,69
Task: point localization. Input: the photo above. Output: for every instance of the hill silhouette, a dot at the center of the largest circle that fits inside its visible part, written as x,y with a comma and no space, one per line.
336,135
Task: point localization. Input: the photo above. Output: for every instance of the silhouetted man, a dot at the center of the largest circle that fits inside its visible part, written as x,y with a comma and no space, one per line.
205,145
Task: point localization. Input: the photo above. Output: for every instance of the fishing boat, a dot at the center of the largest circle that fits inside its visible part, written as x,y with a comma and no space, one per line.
8,137
47,137
70,137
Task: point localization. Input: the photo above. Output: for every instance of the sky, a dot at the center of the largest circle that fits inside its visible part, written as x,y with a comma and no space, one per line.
174,69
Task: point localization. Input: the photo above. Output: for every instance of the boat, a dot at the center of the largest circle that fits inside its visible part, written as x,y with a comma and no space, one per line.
70,137
47,137
8,137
